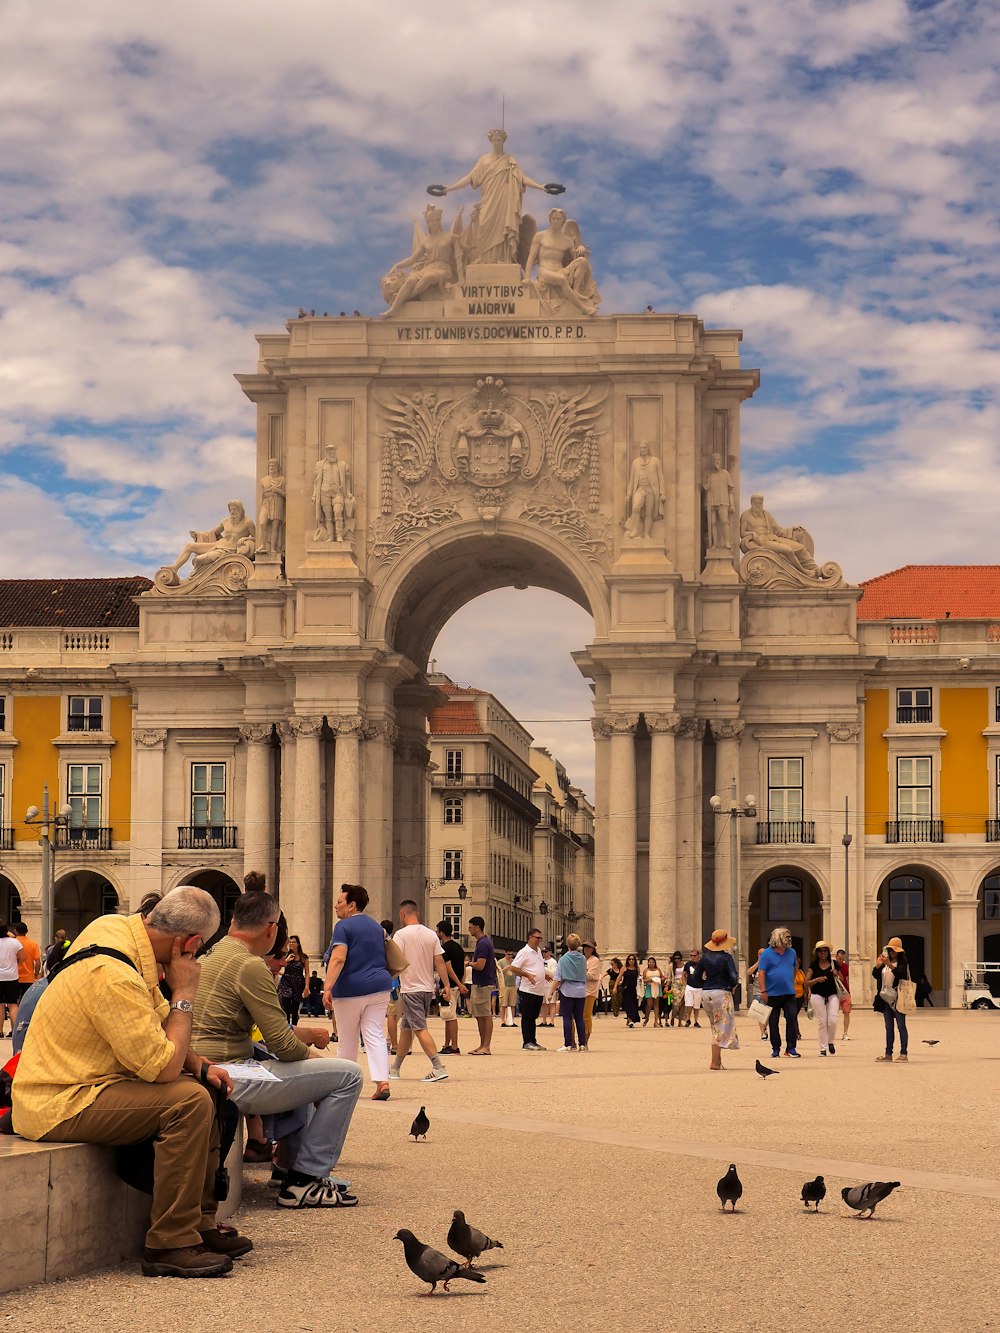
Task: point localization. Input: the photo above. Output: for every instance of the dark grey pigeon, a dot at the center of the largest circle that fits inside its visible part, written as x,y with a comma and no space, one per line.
866,1198
931,1043
763,1070
730,1188
420,1124
467,1241
814,1191
431,1265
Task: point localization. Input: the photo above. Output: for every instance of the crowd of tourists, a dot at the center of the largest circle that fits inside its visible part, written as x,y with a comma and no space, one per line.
148,1037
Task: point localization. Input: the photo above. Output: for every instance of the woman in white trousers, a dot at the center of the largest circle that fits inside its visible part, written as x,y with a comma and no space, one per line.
357,985
822,988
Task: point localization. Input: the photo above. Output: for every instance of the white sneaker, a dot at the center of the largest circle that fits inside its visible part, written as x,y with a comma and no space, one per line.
394,1075
566,1048
436,1075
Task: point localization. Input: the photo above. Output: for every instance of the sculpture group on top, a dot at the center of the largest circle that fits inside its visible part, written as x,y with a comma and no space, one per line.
777,557
498,233
221,557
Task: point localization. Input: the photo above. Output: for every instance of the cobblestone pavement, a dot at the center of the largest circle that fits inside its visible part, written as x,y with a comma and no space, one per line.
598,1173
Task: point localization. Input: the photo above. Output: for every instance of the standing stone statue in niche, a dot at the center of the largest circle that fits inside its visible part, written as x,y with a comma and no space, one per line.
271,531
333,503
718,488
646,494
437,261
563,264
233,536
497,235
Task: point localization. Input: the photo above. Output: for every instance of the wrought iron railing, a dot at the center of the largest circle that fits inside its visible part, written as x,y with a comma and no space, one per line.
197,837
914,830
785,831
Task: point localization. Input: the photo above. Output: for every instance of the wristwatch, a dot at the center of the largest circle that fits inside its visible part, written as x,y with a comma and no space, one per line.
182,1006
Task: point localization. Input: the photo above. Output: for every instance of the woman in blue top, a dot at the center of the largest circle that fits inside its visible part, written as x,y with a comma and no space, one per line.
571,983
358,984
776,969
717,978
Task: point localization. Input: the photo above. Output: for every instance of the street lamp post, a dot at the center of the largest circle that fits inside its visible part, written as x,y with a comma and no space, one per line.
735,811
44,818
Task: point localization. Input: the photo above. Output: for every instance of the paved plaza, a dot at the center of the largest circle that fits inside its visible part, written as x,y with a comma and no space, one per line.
598,1173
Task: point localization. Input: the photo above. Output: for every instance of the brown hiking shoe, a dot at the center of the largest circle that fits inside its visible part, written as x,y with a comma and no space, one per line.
226,1240
188,1261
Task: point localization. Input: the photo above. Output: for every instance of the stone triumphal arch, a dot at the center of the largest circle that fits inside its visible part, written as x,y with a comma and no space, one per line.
493,429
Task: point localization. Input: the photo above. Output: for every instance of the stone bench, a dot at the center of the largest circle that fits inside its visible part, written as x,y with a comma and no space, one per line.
64,1211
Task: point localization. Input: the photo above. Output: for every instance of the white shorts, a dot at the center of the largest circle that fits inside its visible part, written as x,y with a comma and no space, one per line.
692,997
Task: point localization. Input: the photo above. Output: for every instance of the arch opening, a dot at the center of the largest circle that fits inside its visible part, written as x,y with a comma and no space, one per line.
81,897
785,896
913,904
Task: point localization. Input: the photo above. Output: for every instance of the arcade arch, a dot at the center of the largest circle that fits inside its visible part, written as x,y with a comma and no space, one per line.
223,889
785,895
913,903
988,926
10,901
81,896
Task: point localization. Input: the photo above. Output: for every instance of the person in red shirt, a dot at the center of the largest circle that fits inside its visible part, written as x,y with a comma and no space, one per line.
29,968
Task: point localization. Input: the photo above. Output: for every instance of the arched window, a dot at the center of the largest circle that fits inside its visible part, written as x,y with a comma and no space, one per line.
906,898
784,899
990,896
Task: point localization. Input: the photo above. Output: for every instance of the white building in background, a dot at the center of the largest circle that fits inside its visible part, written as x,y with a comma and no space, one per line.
508,838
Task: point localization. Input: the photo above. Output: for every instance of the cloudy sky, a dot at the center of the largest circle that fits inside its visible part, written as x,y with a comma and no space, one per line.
176,178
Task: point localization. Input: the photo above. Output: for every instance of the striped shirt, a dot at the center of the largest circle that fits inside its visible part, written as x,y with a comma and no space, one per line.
235,992
99,1024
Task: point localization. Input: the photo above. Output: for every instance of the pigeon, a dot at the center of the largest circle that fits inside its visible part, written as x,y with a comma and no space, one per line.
935,1042
763,1070
431,1265
467,1241
730,1187
814,1191
866,1198
420,1124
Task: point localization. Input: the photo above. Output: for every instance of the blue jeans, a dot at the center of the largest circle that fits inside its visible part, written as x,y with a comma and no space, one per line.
326,1090
787,1005
894,1019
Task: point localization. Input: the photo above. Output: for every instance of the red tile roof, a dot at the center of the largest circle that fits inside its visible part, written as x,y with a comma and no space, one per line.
73,603
459,716
933,592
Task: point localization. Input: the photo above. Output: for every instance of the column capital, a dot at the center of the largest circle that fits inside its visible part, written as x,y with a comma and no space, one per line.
284,729
663,723
256,733
346,724
305,726
692,727
622,723
727,729
410,751
152,738
382,730
846,733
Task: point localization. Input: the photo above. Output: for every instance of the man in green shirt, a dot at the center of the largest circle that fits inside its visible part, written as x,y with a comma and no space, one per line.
236,992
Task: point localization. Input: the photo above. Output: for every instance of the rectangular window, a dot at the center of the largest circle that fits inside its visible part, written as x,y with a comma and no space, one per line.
453,763
913,705
3,797
454,810
913,788
452,913
3,713
208,795
84,783
784,789
453,865
996,704
991,904
86,713
906,904
784,904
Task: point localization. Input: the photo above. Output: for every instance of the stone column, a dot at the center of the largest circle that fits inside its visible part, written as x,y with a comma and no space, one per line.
844,755
303,907
376,843
409,877
602,882
622,857
347,799
663,885
148,830
258,803
727,735
963,945
690,734
286,810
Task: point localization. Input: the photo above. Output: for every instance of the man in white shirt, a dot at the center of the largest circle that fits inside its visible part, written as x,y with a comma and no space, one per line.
11,954
425,956
529,968
548,1006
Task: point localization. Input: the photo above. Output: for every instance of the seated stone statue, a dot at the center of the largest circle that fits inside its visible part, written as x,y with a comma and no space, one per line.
563,261
759,531
436,262
235,535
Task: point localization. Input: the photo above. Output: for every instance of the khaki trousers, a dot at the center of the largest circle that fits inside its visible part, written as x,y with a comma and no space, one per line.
588,1014
181,1117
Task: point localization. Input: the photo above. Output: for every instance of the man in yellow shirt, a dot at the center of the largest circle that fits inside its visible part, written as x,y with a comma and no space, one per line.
103,1060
